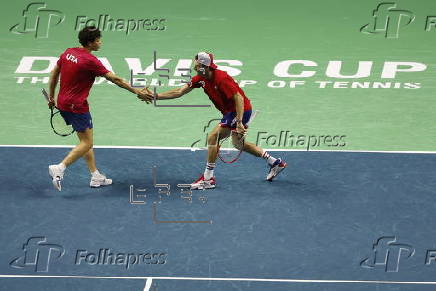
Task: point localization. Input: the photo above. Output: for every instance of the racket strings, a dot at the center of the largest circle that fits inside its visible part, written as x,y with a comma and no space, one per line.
57,122
230,147
59,125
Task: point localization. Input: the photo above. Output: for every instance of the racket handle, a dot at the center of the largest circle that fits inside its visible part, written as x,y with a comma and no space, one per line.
44,92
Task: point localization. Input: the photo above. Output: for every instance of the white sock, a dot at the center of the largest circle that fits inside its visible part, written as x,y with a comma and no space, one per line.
269,159
208,172
62,166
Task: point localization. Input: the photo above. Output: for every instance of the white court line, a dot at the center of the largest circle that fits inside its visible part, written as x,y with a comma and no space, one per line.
224,279
148,284
189,148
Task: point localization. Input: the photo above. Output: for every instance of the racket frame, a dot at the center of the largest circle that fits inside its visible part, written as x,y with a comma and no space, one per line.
52,108
253,115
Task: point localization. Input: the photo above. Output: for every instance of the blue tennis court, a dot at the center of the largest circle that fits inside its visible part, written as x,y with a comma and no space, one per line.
331,221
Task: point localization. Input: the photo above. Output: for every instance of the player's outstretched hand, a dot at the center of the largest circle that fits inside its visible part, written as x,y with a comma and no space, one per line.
145,95
148,92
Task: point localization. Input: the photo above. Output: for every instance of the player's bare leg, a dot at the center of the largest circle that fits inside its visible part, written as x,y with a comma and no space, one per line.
213,139
85,144
57,171
253,149
90,160
83,149
207,180
97,179
276,165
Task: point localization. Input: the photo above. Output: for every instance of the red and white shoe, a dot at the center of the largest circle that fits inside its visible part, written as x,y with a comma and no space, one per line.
278,166
202,184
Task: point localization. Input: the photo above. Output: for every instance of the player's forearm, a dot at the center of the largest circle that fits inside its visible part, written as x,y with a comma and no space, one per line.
170,94
239,105
123,84
52,84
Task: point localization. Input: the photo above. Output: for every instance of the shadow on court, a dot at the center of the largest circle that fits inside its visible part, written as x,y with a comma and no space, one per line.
328,216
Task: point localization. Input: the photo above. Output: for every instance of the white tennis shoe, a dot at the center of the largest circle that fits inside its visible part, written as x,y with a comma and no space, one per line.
202,184
57,175
99,180
275,169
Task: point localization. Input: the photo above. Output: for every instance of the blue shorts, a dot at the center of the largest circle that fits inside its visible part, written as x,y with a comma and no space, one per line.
79,121
229,119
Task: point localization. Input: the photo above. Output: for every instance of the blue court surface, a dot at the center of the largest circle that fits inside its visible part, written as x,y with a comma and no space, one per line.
331,221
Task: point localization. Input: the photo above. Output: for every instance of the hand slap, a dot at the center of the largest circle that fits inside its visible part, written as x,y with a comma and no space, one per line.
145,95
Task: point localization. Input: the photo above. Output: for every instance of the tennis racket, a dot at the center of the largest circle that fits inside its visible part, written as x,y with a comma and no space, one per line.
57,122
229,152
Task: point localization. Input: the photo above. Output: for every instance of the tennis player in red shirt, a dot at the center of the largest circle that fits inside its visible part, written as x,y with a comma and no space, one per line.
231,101
77,68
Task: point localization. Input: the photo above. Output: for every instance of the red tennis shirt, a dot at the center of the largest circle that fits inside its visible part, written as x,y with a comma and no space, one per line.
220,89
78,71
